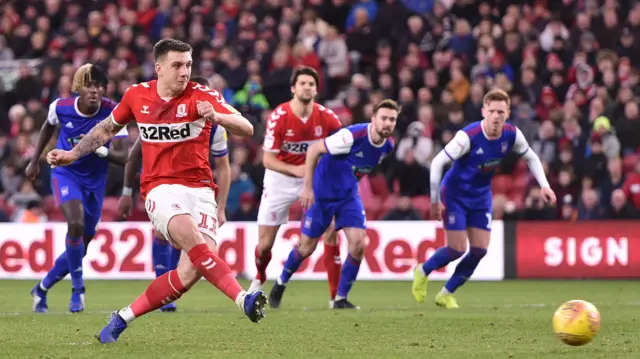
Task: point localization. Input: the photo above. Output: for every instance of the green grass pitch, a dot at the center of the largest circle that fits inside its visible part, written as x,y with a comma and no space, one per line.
510,319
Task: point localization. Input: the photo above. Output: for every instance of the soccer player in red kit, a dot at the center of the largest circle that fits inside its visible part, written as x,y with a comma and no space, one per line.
175,118
291,129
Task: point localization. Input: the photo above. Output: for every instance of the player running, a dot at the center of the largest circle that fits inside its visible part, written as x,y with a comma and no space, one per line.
166,257
291,129
476,151
175,118
79,188
331,190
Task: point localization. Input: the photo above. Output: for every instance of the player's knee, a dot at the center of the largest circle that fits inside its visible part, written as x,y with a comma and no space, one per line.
75,227
458,246
478,252
356,247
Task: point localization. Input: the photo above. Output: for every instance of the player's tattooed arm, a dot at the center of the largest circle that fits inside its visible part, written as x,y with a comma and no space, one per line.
117,152
97,137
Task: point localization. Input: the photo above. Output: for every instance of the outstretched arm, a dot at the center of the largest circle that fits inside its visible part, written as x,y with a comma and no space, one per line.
521,147
97,137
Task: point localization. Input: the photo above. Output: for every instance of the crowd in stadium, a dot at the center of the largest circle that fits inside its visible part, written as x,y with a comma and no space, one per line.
568,65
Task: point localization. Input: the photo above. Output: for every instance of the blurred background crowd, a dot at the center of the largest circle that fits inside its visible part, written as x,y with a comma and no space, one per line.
569,66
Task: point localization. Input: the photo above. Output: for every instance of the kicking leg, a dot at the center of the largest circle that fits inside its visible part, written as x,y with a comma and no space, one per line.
332,261
164,290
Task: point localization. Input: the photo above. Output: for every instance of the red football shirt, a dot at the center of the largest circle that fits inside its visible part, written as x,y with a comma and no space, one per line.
290,136
175,140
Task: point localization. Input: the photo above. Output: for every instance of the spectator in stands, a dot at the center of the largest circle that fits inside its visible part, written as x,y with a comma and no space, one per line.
403,211
247,212
572,62
589,208
619,207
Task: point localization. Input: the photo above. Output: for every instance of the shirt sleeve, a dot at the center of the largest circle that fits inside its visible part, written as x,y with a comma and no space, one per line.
219,142
333,122
459,146
273,133
217,101
52,116
520,146
339,143
123,113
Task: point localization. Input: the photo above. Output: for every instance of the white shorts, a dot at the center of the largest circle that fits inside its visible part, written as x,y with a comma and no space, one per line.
169,200
280,191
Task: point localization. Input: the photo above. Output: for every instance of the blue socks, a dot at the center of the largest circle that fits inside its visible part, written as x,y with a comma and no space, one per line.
465,268
160,250
74,254
442,257
348,276
292,264
174,257
57,273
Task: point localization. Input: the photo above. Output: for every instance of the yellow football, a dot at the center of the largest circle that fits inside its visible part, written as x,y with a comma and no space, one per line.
576,322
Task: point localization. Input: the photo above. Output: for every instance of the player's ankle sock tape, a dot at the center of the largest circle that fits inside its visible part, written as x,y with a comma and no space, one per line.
294,260
348,276
441,257
163,290
465,268
215,270
58,272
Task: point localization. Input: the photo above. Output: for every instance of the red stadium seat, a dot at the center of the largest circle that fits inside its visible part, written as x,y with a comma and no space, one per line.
422,204
520,182
379,186
373,208
502,184
521,167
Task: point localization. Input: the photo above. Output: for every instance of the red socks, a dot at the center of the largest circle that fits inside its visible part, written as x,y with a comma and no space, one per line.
262,261
163,290
215,270
333,264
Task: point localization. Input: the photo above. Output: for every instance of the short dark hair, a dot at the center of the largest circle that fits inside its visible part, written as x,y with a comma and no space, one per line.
164,46
496,95
200,80
387,103
304,70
